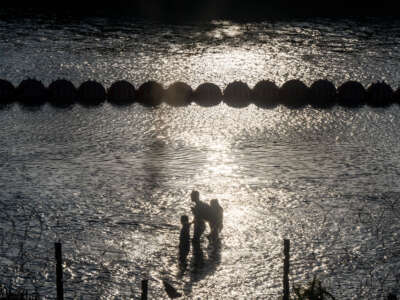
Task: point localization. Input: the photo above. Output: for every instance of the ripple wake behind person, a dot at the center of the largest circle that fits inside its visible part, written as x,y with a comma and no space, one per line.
211,213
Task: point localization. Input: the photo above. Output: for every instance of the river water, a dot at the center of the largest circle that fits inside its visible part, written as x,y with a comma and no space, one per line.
112,182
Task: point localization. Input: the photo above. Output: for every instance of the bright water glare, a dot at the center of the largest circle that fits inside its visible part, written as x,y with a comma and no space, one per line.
111,183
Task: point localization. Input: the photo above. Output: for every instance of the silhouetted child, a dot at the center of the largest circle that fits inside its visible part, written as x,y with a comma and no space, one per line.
184,238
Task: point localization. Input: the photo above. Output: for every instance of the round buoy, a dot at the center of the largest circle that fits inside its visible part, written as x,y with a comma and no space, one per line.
121,93
396,96
178,94
62,93
91,93
207,95
322,94
379,94
351,94
294,94
31,92
7,92
150,93
265,94
237,94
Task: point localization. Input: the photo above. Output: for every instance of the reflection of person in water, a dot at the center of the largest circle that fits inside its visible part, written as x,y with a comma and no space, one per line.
198,256
203,263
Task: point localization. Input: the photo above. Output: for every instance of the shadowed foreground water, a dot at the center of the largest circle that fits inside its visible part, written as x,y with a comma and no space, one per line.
111,183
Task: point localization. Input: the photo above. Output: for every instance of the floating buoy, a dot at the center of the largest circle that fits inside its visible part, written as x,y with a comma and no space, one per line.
351,94
265,94
178,94
322,94
379,94
237,94
31,92
91,93
294,94
150,93
207,95
7,92
62,93
396,96
121,93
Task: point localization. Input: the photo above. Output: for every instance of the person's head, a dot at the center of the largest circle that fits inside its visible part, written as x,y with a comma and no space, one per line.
214,203
195,196
184,219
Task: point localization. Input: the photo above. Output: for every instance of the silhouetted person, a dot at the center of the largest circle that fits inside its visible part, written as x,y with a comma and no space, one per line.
199,226
212,213
216,222
184,238
201,208
202,212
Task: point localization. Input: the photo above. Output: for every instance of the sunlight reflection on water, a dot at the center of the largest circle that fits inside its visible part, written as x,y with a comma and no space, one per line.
117,203
113,182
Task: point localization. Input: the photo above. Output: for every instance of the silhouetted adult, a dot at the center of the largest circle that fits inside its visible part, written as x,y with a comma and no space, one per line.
212,213
201,208
201,212
199,227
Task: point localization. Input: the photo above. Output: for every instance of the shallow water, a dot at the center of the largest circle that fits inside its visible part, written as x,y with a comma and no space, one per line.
111,183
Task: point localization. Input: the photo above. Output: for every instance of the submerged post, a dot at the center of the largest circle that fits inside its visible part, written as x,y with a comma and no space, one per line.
144,289
286,252
59,272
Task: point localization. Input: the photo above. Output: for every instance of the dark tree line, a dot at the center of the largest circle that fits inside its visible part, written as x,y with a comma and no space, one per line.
208,9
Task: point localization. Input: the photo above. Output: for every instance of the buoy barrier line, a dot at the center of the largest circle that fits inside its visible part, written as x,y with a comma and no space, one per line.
293,94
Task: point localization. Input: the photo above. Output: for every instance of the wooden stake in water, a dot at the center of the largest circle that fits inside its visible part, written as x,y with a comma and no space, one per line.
392,297
286,251
59,272
144,289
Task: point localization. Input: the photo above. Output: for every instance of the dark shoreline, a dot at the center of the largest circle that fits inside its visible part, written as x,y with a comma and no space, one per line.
179,10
